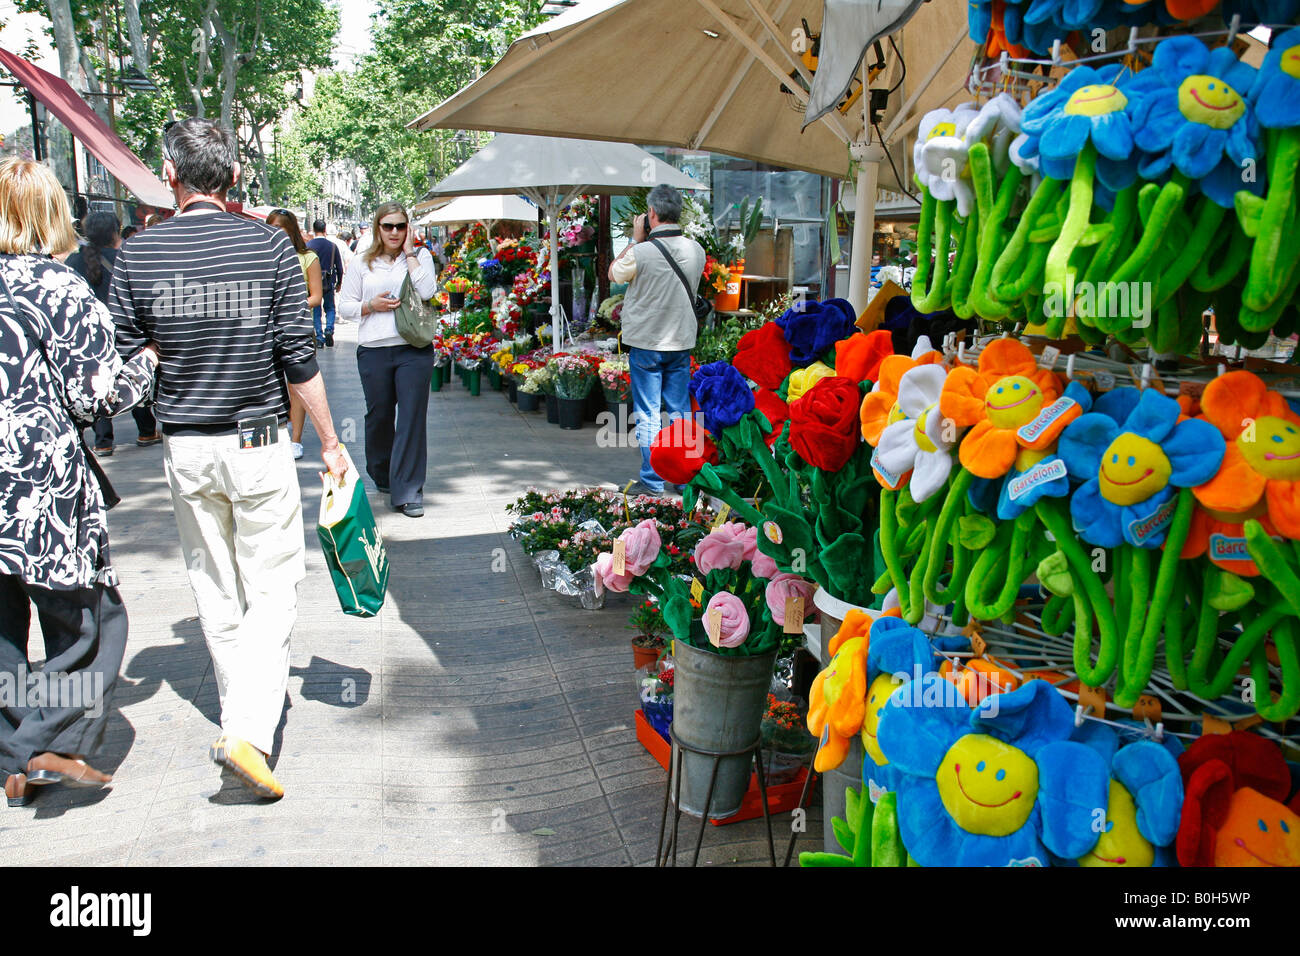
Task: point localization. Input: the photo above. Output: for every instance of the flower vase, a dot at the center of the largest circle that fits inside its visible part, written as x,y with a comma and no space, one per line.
435,380
456,301
494,378
729,301
552,410
474,380
718,705
529,401
595,405
511,390
571,412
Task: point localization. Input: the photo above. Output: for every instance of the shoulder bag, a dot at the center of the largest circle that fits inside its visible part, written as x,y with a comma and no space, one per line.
699,305
110,496
417,320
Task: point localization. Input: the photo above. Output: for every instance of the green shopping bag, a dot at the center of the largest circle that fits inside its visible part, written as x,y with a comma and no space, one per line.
353,546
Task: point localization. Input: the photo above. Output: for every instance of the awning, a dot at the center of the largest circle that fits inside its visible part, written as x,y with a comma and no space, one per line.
74,113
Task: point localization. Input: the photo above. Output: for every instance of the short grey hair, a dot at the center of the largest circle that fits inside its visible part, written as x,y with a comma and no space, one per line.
666,202
204,153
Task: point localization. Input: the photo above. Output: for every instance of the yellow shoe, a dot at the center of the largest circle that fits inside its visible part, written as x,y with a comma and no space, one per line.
248,764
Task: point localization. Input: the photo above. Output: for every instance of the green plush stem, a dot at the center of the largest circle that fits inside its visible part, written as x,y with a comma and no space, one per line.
1276,223
983,303
1217,270
1273,564
1011,279
1057,274
1093,596
1026,522
914,610
1203,646
1174,651
1168,327
1166,205
943,532
1121,237
1058,614
935,294
1191,252
1288,702
969,259
964,274
1242,648
1262,321
1148,619
924,234
888,547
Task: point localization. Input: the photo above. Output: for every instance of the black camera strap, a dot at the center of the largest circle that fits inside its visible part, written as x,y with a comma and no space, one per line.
691,295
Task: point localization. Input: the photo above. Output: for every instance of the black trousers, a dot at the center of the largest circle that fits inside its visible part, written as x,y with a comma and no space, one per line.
144,421
62,707
395,380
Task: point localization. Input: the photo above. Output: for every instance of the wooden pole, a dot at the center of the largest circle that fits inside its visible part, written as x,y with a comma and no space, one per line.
604,250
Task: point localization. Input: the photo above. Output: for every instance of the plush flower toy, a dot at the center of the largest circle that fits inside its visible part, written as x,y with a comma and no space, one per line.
999,786
1234,813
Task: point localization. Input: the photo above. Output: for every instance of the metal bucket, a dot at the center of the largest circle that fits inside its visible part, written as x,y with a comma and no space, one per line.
718,705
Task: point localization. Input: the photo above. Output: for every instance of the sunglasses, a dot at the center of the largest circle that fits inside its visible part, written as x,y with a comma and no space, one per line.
392,226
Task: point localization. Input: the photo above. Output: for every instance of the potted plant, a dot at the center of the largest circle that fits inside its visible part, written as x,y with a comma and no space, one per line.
727,625
528,394
649,643
615,376
456,288
657,697
787,745
573,378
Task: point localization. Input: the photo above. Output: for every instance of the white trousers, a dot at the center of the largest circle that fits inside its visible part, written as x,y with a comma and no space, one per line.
239,514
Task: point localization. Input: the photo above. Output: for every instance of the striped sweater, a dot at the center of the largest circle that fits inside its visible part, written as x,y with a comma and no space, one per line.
225,300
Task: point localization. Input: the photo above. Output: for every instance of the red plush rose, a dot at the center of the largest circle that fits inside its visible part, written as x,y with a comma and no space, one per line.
859,356
679,451
763,355
777,412
824,423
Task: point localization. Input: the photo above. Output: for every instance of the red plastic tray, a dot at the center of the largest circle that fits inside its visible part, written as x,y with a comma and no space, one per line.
781,798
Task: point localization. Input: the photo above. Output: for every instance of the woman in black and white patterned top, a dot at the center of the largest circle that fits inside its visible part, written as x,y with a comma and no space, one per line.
58,362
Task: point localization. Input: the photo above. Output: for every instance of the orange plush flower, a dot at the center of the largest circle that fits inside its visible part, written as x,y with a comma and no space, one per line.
837,699
1260,473
1010,402
879,405
859,356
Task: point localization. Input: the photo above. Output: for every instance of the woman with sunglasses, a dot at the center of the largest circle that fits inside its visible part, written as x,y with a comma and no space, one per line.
394,375
311,274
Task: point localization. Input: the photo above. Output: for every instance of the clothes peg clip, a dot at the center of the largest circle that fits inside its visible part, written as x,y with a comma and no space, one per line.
1079,712
1056,52
1146,375
961,350
1069,368
1234,26
1132,40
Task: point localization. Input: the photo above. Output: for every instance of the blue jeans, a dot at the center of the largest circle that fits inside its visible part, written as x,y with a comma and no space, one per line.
327,305
659,380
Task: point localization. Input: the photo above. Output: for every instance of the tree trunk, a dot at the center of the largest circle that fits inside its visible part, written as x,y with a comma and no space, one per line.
65,39
135,32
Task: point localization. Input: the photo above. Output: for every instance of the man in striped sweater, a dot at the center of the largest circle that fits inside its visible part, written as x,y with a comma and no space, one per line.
225,300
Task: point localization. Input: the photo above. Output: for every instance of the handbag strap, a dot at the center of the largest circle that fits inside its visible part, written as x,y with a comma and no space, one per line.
690,293
110,496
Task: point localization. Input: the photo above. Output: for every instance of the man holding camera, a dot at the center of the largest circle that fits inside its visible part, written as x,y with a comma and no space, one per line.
662,268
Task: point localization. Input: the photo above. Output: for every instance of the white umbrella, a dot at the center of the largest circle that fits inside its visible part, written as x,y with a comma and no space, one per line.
488,210
725,76
552,173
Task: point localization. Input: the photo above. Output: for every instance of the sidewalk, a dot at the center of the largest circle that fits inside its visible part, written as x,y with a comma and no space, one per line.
477,720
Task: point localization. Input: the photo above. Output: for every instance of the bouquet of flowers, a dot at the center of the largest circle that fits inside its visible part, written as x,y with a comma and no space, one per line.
457,284
714,280
504,360
539,381
616,378
573,376
742,599
494,274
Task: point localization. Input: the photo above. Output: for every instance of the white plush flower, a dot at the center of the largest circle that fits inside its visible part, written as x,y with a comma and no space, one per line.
997,124
920,442
935,621
940,155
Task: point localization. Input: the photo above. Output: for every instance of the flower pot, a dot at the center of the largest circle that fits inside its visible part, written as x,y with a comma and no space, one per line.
643,656
848,773
512,391
622,412
552,410
456,301
729,301
595,405
718,705
494,378
529,402
474,379
571,412
782,767
435,380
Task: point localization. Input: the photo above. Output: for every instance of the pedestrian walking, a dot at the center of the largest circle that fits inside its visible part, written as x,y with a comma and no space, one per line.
341,239
659,323
394,375
94,262
224,298
62,371
331,269
311,273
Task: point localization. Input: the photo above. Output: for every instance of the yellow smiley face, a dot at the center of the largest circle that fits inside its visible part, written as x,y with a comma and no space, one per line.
1272,447
1290,64
1210,101
942,129
1132,469
896,414
877,697
1095,101
987,786
918,430
1122,844
1013,401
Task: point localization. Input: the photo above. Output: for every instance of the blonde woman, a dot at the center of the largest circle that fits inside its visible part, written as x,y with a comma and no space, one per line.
394,375
311,274
63,370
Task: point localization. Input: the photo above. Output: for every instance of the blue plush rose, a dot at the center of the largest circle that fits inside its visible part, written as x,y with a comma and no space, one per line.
723,394
812,328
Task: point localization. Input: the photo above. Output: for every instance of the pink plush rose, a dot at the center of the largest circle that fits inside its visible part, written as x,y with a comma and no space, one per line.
719,549
641,546
603,574
763,566
749,538
734,627
788,586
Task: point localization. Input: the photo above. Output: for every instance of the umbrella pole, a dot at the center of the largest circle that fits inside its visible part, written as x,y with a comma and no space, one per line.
869,156
559,332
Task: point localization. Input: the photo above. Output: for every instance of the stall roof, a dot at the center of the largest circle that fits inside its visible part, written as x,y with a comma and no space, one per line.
62,100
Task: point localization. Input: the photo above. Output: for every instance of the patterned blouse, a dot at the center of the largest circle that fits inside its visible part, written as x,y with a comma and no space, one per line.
53,527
